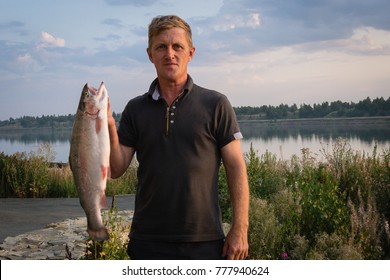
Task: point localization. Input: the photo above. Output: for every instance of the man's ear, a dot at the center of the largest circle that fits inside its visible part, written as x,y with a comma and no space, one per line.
192,53
149,55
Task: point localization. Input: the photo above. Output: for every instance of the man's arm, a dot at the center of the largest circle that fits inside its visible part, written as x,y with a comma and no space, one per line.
236,243
120,155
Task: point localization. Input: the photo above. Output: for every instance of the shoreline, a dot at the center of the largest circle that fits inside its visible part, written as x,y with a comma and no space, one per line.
321,121
251,119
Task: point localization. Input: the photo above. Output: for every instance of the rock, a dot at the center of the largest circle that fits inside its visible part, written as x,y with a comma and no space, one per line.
55,242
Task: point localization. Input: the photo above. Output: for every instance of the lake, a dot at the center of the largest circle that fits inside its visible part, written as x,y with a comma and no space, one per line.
282,138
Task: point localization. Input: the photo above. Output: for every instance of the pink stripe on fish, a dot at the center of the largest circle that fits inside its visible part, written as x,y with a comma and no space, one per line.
98,125
104,170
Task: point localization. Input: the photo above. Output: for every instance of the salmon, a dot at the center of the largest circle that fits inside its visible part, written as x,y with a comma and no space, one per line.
89,157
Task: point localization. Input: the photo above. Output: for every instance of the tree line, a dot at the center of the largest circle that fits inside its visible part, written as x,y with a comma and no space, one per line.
337,109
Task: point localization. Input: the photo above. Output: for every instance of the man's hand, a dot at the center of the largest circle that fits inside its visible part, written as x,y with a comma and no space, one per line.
120,155
236,244
110,118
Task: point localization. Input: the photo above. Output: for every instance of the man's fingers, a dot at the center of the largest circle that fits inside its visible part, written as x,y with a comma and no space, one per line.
233,254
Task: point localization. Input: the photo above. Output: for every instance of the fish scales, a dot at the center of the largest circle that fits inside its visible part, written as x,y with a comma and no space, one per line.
90,156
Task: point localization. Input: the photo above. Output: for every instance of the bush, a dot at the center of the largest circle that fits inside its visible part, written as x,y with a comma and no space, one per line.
25,175
265,174
114,248
61,182
264,231
367,228
335,207
125,184
332,247
34,175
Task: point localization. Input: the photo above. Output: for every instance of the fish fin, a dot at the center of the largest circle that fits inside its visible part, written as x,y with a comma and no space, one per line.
100,234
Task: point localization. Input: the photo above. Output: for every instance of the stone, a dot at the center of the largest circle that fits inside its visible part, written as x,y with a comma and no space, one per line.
54,242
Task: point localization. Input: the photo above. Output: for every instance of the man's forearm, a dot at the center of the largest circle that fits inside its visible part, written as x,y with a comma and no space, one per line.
120,156
115,153
239,196
236,242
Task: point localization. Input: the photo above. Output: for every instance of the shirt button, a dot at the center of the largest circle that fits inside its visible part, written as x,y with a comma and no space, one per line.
172,121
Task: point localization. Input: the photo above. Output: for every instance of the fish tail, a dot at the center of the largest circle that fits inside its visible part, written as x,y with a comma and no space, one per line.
99,234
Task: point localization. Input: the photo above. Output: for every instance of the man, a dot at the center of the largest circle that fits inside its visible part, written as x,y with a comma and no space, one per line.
180,132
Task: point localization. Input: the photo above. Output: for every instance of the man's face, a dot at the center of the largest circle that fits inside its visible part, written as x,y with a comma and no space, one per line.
170,53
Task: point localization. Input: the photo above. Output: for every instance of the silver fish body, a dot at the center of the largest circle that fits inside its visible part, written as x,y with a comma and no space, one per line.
89,156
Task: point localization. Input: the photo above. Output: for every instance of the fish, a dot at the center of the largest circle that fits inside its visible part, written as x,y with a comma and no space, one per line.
89,157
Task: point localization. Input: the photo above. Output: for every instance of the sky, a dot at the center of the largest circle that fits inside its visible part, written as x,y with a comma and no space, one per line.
256,52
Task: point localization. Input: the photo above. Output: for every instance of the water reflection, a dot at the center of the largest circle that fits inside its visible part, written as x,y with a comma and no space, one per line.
28,136
28,140
288,139
283,140
364,133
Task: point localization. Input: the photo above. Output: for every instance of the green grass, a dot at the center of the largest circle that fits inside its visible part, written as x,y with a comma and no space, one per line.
25,175
114,248
332,206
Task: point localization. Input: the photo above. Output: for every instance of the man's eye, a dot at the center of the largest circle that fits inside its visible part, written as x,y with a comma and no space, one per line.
178,47
161,47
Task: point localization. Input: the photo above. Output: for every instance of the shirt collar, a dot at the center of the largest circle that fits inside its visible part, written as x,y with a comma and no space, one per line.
155,94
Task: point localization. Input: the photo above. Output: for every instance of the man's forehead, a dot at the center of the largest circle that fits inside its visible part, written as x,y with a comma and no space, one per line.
171,34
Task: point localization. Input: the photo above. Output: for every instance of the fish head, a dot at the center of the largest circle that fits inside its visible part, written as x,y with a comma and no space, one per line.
93,100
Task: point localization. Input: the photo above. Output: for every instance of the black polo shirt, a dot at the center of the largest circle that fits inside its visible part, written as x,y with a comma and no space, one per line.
178,150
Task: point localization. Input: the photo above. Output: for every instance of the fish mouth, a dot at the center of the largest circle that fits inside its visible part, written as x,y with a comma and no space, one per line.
101,92
99,95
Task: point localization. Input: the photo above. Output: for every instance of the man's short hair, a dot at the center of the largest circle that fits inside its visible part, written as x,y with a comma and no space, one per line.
161,23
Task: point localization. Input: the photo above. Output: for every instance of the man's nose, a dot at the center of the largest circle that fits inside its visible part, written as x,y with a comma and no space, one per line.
170,52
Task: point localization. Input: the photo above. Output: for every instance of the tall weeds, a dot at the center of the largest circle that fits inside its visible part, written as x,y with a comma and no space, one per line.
25,175
332,206
114,248
335,205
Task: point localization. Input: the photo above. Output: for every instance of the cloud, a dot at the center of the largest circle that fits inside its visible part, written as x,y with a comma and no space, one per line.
136,3
363,41
14,26
109,38
371,40
250,49
229,21
248,26
24,58
113,22
47,40
16,60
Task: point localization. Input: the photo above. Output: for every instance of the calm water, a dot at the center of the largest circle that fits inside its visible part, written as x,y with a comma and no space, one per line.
283,141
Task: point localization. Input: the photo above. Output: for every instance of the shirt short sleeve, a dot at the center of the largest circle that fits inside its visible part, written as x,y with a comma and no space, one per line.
227,128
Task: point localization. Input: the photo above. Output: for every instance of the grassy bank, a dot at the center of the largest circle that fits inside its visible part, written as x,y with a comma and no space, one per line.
29,175
301,208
